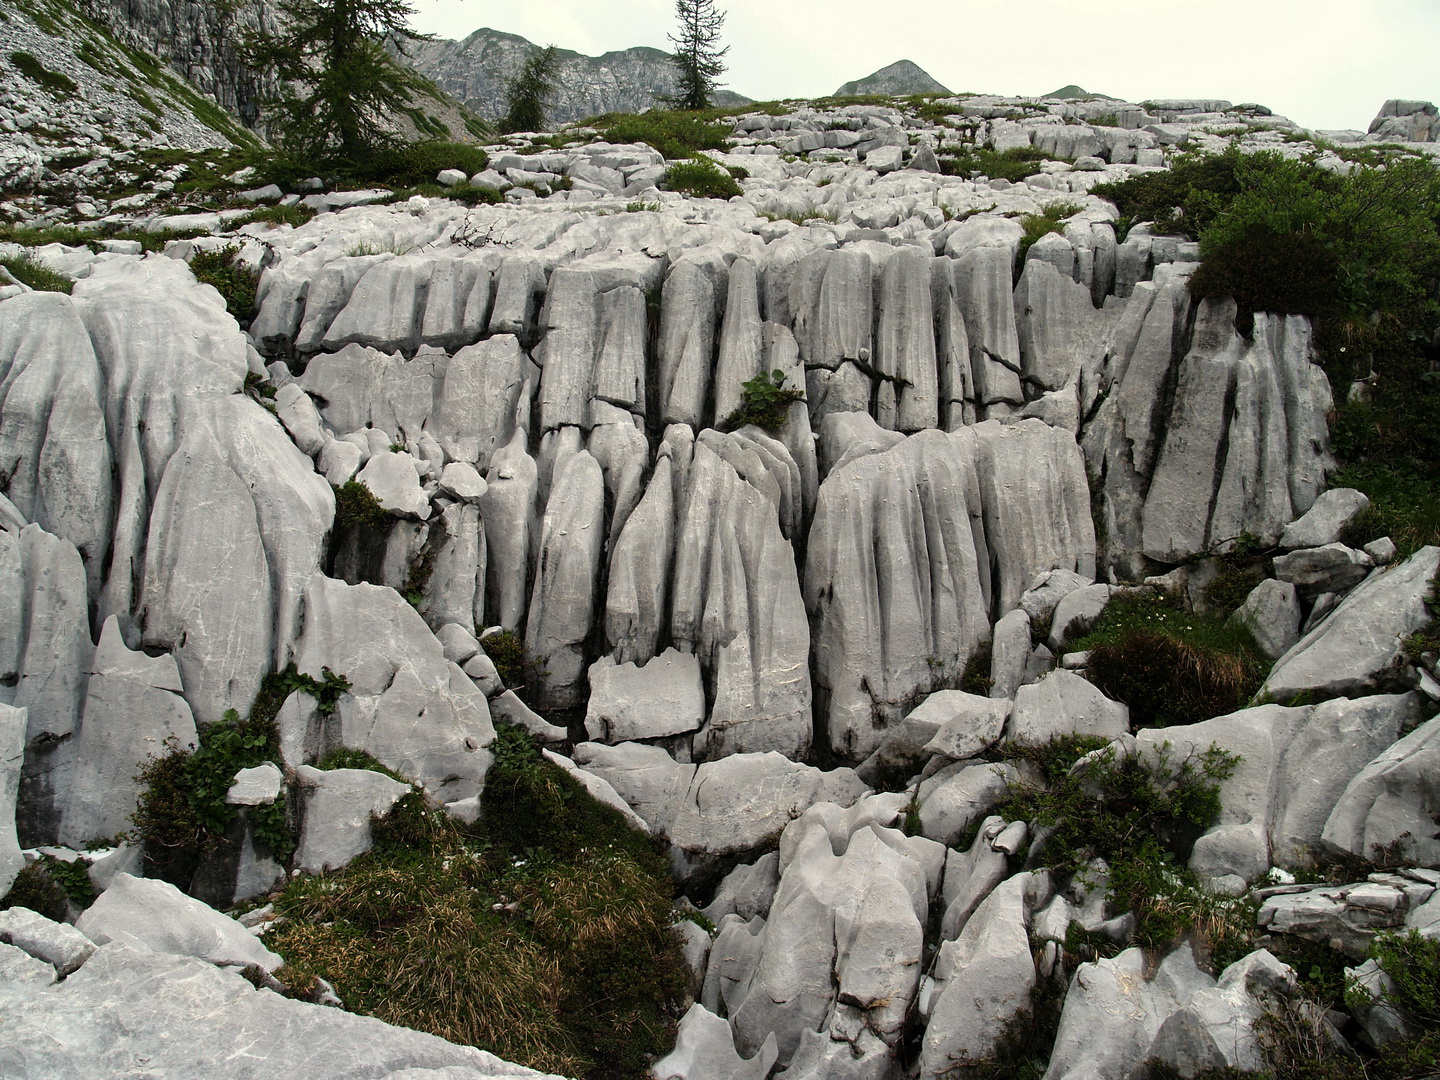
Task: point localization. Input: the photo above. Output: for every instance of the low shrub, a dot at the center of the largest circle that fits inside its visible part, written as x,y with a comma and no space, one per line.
1404,505
36,889
1013,165
506,651
182,815
765,402
543,934
702,178
1141,814
1170,666
234,280
28,270
675,133
356,507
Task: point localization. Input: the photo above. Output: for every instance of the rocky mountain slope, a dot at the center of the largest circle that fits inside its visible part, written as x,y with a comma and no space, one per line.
814,661
478,70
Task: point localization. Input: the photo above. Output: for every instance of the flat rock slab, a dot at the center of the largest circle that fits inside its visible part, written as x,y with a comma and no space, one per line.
628,702
1063,703
156,916
968,723
55,943
336,820
128,1012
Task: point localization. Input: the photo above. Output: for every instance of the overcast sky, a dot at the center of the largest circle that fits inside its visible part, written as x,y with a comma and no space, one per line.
1323,63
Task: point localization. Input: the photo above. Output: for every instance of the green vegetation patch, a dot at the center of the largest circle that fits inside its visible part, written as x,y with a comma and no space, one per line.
675,133
1141,814
765,402
36,889
356,507
1050,220
702,178
234,280
59,85
1169,665
1014,164
28,270
543,934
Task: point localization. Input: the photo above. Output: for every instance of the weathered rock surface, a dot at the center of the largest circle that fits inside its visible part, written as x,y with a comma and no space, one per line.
1350,650
126,1003
151,915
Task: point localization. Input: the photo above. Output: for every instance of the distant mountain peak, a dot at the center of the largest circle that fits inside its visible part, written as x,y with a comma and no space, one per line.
1073,91
901,77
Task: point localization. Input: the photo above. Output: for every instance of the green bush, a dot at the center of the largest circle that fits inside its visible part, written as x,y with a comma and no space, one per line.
675,133
344,757
765,402
506,651
235,280
1141,814
36,889
1013,165
356,507
1170,666
182,815
28,270
702,178
543,934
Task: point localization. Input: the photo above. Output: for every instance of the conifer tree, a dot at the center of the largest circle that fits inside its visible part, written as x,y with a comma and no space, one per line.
697,59
341,82
529,90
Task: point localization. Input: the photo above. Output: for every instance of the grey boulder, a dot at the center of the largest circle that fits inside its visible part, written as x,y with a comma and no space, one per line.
154,916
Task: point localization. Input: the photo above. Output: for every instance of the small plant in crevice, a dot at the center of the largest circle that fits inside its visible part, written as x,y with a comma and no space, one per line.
506,651
235,281
765,402
35,888
976,679
182,816
1050,220
356,507
544,932
345,757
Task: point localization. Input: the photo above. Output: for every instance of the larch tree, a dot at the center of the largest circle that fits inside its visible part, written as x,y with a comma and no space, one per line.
697,55
343,86
529,91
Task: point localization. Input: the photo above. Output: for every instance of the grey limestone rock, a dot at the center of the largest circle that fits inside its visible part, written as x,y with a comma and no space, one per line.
1115,1007
55,943
1063,703
628,703
1295,763
126,1003
1333,568
966,724
133,705
1323,523
12,753
337,806
44,649
1386,804
986,975
1009,649
959,795
1351,648
154,915
1272,613
563,601
408,706
705,1050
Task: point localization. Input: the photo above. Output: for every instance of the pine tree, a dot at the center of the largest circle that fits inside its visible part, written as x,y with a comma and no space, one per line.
528,91
696,57
342,84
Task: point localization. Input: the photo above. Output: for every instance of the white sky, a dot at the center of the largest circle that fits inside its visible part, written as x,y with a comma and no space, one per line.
1323,63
